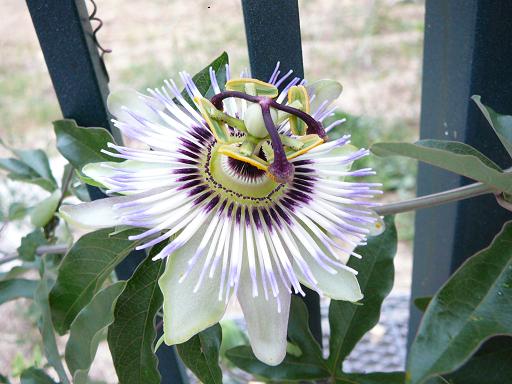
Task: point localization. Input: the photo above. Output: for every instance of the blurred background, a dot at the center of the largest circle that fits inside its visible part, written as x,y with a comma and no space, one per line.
373,47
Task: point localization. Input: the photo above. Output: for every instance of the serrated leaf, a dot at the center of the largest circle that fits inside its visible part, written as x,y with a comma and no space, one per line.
12,289
201,354
502,124
45,324
83,270
29,243
35,376
81,146
202,78
453,156
349,322
132,334
87,329
371,378
475,304
306,365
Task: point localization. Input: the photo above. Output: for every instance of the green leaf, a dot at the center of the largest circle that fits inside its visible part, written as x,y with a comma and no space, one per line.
502,124
232,336
349,322
202,78
201,354
32,167
17,211
4,379
37,160
472,306
422,302
371,378
16,288
43,211
86,331
16,166
81,146
132,334
492,364
45,324
35,376
453,156
29,243
83,270
306,365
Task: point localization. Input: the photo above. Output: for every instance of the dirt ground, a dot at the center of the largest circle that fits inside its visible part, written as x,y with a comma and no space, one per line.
373,47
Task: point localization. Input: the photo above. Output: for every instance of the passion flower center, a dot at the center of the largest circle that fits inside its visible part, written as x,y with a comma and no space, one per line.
241,180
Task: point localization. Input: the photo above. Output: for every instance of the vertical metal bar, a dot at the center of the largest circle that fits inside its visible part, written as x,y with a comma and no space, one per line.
65,35
272,29
466,52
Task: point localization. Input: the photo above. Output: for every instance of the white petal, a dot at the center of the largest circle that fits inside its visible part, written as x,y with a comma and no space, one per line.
101,172
100,213
130,99
342,285
94,215
187,313
267,327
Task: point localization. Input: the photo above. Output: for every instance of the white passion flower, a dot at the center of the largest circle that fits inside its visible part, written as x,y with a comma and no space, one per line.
249,194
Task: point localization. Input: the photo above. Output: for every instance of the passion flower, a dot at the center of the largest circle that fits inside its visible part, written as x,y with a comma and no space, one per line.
249,193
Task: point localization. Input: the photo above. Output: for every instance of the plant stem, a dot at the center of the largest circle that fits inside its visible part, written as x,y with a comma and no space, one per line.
435,199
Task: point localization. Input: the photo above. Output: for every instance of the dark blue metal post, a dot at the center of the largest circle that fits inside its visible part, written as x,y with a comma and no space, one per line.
468,50
81,84
272,29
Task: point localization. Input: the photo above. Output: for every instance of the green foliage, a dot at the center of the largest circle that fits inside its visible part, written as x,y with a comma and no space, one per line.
349,322
371,378
453,156
29,166
502,124
201,354
35,376
45,322
202,78
132,334
81,146
422,302
12,289
86,331
475,304
83,271
491,364
29,244
17,211
43,211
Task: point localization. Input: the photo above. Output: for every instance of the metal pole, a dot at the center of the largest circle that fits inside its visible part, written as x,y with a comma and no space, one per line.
81,84
466,52
272,29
